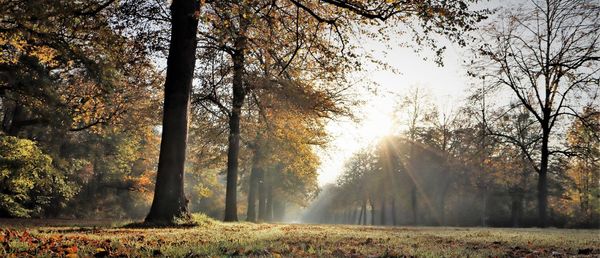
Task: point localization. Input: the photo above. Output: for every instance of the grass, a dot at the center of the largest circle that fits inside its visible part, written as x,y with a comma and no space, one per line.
213,238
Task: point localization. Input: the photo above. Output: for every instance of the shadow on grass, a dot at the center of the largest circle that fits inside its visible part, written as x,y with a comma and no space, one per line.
195,220
148,225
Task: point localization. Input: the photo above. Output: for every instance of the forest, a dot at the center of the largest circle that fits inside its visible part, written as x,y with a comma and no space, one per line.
204,113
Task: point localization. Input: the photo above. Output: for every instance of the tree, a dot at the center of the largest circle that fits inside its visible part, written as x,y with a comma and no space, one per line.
30,184
547,56
170,203
415,112
584,169
73,82
262,58
288,123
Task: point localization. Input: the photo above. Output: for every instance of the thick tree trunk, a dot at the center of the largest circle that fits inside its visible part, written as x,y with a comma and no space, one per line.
233,150
169,201
543,180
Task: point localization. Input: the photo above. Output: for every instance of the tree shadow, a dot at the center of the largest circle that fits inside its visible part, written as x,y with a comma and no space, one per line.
149,225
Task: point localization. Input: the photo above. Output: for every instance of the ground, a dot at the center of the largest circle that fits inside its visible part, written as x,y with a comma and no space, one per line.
211,238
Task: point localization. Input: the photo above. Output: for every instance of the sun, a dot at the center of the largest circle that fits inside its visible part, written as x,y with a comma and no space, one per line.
377,125
349,137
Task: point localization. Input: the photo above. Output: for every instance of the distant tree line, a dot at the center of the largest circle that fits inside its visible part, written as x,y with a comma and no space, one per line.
449,169
526,143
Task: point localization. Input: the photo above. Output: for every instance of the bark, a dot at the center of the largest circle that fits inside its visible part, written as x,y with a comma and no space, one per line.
233,150
169,201
543,180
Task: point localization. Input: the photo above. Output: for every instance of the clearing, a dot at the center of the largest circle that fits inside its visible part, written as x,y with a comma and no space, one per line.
212,238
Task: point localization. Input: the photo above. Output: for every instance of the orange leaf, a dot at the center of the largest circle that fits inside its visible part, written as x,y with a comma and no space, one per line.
72,250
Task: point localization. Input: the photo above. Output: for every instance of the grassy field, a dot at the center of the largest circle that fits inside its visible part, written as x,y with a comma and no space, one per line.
211,238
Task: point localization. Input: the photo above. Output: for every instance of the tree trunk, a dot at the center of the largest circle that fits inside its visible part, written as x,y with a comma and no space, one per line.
516,208
347,214
364,207
372,211
543,180
262,196
169,201
19,114
360,216
269,203
383,210
442,203
253,185
9,107
233,150
394,222
353,215
414,204
484,208
443,210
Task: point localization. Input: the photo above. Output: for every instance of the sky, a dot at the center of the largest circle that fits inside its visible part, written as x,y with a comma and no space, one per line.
447,85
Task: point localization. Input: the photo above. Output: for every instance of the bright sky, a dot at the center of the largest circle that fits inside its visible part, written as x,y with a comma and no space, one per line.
447,85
